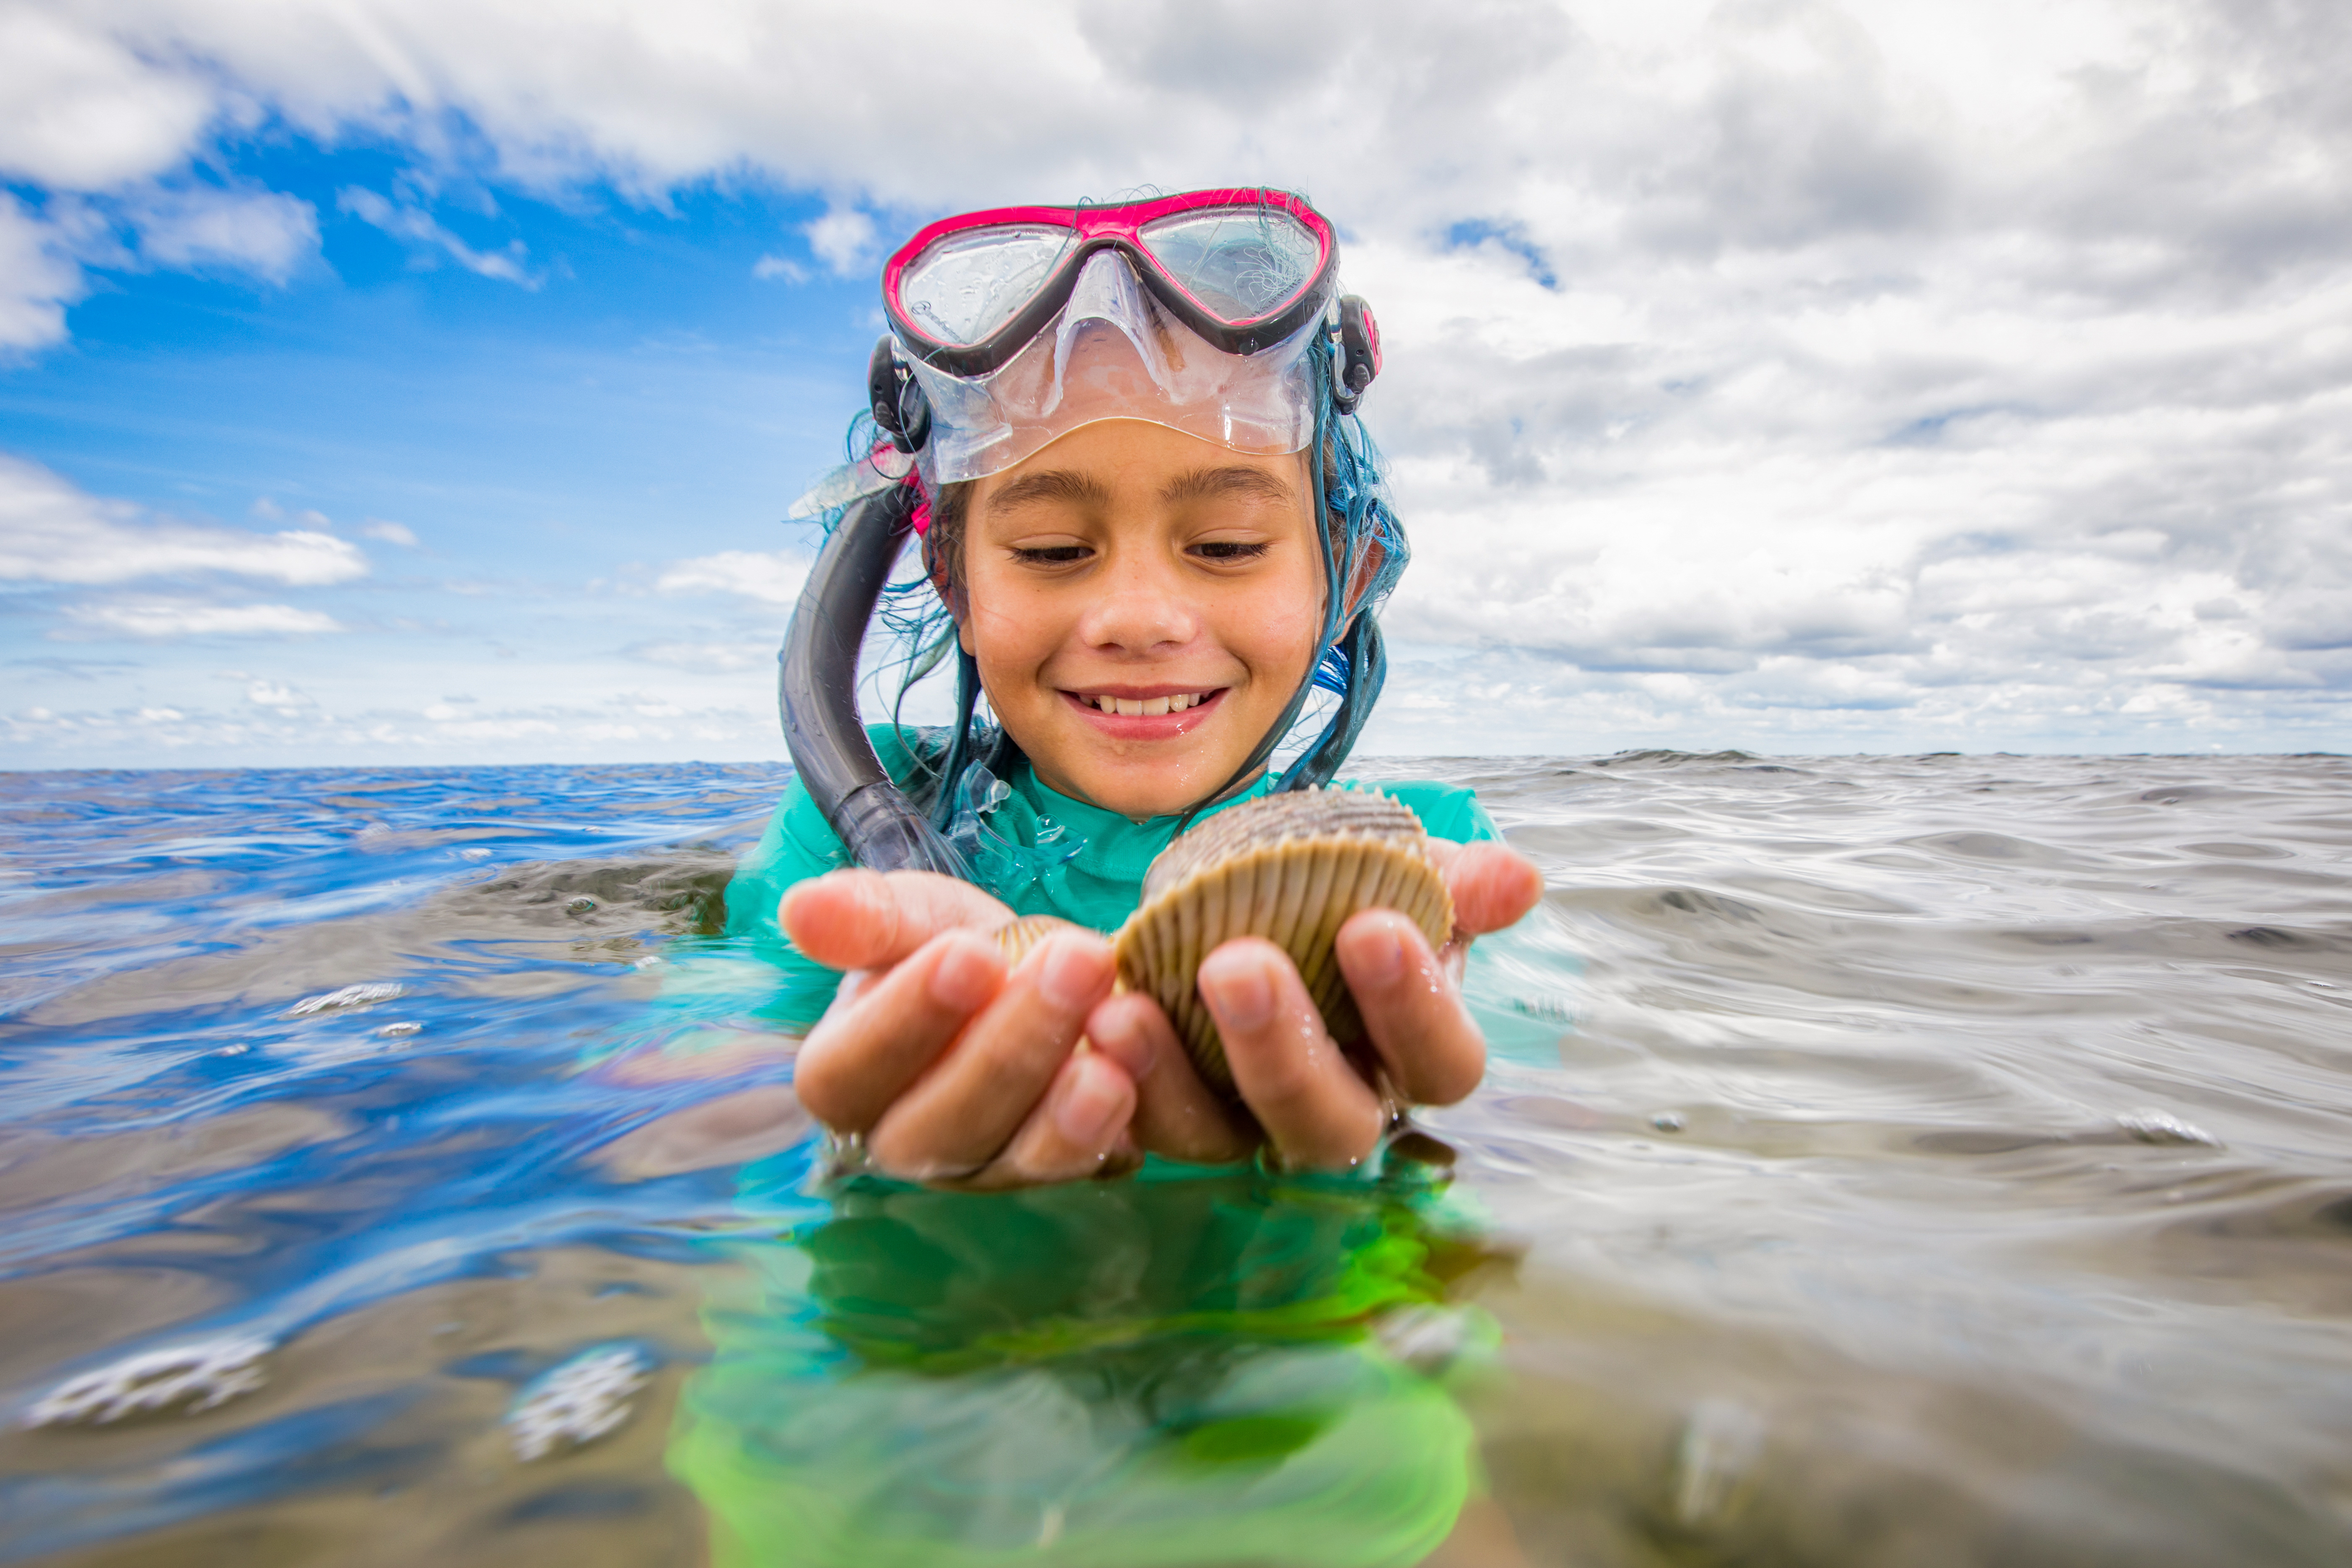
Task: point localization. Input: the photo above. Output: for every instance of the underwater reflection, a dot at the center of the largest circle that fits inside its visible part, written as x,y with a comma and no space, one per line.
1185,1367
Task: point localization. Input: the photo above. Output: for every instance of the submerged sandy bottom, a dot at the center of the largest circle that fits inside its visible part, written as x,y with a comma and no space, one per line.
1919,1160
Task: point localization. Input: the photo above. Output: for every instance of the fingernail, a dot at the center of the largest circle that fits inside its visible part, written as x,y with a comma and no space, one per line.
965,977
1379,957
1070,974
1238,990
1089,1105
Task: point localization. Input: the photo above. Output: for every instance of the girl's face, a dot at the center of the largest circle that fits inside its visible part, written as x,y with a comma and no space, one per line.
1141,604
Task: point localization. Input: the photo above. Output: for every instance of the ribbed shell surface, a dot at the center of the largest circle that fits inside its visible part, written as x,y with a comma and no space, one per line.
1292,868
1015,938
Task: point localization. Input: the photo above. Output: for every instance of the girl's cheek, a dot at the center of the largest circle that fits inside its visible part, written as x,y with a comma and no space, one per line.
1279,631
1004,633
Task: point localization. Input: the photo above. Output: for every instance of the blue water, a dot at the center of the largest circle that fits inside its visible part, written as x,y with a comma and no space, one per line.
1884,1160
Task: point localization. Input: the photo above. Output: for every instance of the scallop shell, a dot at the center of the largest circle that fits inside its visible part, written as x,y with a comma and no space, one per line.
1292,868
1014,938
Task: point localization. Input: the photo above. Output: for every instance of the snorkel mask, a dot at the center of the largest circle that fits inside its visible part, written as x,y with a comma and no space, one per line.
1212,314
1217,294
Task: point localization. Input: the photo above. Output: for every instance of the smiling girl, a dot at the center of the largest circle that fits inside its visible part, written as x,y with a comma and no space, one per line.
1153,526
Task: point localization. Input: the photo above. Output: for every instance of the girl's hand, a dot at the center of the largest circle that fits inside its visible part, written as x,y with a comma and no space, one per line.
954,1069
1307,1099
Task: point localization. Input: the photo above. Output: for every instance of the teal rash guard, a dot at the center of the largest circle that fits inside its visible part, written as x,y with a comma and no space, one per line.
1043,853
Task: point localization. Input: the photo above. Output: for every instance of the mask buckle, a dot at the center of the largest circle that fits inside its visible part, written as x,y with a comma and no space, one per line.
1358,359
896,398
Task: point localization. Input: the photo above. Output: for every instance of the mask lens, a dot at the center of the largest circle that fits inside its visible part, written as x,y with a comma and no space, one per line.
966,286
1241,263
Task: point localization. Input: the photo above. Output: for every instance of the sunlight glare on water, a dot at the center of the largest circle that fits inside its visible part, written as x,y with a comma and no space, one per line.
1933,1159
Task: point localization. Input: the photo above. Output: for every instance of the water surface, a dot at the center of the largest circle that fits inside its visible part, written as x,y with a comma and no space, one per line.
1934,1160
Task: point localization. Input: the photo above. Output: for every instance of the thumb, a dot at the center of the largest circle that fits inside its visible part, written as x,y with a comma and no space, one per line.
1491,886
865,919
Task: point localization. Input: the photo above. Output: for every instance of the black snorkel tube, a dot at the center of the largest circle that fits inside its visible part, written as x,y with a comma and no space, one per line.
816,694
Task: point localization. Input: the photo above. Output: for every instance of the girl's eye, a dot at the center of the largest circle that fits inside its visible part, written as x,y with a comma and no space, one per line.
1230,549
1050,554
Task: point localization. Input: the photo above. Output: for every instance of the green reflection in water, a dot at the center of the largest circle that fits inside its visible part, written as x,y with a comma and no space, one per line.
1187,1367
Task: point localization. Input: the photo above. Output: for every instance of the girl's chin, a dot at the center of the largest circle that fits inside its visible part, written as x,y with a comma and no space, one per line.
1139,787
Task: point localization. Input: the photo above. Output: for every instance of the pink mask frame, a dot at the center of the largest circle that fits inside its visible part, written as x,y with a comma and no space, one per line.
1117,227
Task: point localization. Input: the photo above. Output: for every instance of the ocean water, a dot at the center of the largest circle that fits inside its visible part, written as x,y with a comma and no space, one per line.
1936,1159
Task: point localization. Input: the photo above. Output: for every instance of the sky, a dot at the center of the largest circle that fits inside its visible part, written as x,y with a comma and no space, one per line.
416,382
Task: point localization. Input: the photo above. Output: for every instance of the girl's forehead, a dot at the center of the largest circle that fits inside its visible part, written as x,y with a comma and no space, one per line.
1141,480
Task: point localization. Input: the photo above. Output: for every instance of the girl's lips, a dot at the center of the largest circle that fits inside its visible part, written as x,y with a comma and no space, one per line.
1147,726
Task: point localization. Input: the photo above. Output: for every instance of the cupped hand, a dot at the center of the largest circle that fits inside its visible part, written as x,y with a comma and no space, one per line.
1299,1092
954,1067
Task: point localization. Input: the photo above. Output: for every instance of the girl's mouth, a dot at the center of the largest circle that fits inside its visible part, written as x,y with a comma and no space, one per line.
1141,713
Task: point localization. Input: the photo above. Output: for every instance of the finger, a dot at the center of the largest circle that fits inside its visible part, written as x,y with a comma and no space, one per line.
1316,1110
1176,1113
1080,1129
1434,1051
861,1056
1492,885
956,1117
864,919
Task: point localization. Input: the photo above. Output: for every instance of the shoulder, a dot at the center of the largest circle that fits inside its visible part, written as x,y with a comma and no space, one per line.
1446,811
799,843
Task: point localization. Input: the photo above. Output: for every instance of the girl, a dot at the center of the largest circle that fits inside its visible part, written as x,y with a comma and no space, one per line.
1151,527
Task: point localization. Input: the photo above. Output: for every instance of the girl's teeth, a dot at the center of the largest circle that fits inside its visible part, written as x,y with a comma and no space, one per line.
1148,706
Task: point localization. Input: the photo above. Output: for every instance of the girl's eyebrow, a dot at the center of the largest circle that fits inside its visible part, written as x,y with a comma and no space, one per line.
1054,485
1207,484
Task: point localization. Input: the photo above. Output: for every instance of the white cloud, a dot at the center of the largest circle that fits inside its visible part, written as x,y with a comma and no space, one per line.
188,227
843,239
771,578
51,531
86,112
39,276
389,532
285,699
769,268
160,618
421,228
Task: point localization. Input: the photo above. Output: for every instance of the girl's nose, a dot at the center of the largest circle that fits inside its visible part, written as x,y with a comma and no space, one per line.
1138,610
